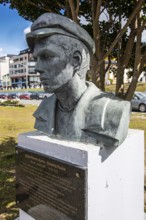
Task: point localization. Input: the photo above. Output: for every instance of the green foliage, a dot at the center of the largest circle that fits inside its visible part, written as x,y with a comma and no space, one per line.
123,8
8,209
111,39
109,28
32,9
10,103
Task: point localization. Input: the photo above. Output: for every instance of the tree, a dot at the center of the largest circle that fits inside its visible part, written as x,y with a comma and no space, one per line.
112,39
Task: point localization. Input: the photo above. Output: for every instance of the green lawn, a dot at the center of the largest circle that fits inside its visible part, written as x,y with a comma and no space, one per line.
141,87
15,120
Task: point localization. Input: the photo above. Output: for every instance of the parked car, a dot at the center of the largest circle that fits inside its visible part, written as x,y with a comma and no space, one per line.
25,96
3,96
138,102
34,95
12,96
42,95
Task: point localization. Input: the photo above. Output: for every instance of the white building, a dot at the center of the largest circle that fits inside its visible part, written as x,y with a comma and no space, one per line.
142,77
111,75
6,81
4,67
22,71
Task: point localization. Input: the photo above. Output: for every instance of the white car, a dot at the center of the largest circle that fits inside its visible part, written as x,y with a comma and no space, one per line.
42,95
138,101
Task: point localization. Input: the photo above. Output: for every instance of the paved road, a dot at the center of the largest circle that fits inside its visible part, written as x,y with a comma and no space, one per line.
37,102
30,102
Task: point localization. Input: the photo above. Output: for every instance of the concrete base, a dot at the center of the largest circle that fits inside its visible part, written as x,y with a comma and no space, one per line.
115,178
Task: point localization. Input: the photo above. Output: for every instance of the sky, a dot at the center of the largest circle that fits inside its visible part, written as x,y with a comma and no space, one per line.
12,31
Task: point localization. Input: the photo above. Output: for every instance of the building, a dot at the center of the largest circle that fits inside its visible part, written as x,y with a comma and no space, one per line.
22,71
4,67
110,77
142,77
6,81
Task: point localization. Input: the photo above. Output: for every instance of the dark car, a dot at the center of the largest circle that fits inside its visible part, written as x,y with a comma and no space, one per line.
3,96
138,101
24,96
12,96
34,95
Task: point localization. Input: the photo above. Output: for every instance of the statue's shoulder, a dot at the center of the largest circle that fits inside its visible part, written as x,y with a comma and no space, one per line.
107,117
110,109
104,100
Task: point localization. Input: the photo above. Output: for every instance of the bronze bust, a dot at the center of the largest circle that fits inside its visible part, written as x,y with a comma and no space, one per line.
77,110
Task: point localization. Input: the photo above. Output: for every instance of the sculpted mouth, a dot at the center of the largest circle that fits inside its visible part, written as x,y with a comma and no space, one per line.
43,79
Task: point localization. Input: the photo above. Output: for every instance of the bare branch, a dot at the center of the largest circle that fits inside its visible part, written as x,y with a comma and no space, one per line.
137,9
102,9
73,10
77,7
57,3
109,64
129,47
98,7
138,59
68,12
93,8
38,6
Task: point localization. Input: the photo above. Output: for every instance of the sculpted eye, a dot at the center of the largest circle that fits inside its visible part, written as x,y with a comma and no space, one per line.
35,59
46,56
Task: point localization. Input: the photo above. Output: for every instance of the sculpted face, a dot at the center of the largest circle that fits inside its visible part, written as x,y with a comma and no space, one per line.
53,64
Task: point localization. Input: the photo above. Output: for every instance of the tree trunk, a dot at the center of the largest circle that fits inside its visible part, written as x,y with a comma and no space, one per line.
102,76
132,16
74,10
99,73
93,65
120,79
138,59
68,11
123,62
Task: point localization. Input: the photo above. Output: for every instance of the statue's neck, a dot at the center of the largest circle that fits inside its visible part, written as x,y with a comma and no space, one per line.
70,93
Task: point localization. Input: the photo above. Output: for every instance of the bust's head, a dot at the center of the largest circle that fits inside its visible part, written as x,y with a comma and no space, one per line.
61,49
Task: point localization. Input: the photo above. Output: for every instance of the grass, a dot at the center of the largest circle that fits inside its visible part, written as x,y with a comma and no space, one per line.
15,120
141,87
138,121
22,90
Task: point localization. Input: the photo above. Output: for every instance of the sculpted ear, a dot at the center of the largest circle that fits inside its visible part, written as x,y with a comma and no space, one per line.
76,60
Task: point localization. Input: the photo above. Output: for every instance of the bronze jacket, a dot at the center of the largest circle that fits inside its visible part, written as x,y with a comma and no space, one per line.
98,118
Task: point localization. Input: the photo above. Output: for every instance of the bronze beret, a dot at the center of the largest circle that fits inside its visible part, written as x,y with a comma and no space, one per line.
49,24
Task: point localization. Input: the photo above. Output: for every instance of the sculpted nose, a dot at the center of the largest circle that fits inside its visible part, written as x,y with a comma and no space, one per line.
38,68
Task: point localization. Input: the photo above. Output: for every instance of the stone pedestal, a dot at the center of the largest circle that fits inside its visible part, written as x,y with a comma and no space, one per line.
113,179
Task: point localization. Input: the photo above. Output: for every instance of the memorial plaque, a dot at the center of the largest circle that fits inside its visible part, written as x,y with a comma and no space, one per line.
50,189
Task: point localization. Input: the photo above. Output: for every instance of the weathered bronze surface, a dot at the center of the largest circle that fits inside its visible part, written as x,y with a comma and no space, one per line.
77,110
